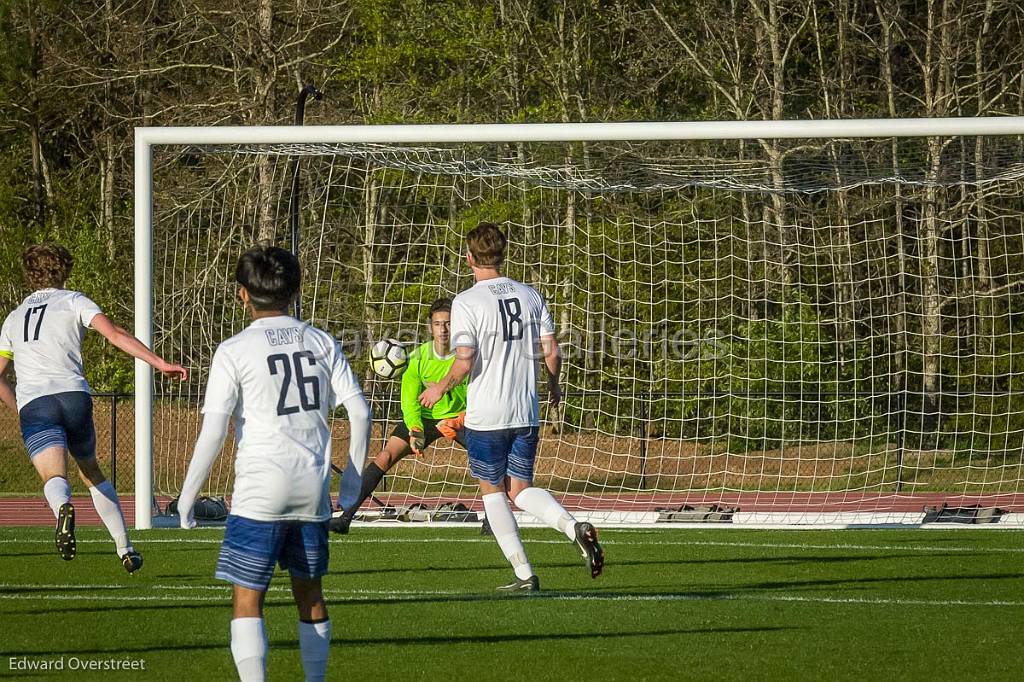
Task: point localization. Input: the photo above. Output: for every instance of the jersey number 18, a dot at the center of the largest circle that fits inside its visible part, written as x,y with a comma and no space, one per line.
511,318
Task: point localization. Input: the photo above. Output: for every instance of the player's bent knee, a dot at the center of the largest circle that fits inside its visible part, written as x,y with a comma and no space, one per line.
89,471
383,460
516,486
248,603
309,599
488,488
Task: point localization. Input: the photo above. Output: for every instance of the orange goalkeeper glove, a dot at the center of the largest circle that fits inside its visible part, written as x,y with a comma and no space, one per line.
449,427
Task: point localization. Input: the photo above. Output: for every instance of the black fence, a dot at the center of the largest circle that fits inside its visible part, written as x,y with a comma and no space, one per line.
908,420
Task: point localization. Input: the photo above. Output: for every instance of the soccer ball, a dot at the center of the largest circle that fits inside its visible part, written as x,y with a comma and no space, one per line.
388,358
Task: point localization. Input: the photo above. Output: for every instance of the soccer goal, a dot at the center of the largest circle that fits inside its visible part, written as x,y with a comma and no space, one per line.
772,322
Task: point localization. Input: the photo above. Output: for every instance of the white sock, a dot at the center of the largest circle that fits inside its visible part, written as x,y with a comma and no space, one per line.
104,499
541,504
315,645
506,532
249,649
58,493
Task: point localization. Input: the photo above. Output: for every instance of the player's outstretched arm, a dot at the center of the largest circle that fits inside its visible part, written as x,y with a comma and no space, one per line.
412,385
458,371
208,445
348,394
553,363
124,341
360,425
6,391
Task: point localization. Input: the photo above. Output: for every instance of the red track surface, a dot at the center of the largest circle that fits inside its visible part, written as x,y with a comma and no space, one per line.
33,511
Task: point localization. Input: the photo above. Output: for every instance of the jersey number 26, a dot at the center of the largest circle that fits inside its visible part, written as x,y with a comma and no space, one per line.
309,387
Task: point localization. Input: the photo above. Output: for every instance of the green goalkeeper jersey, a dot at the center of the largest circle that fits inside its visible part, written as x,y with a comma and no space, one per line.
426,368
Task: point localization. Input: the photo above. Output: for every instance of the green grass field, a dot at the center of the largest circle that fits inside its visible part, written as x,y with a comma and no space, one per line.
419,603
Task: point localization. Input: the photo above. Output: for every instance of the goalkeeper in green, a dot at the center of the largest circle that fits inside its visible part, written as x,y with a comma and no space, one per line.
420,426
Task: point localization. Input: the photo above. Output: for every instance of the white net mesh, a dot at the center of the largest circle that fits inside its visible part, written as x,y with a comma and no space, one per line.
784,327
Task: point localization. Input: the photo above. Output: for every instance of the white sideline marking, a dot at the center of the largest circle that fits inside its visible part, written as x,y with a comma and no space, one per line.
408,595
63,586
794,545
662,543
226,588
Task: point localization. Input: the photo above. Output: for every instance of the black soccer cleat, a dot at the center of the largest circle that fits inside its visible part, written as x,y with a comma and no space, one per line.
340,524
531,584
485,527
132,561
64,534
586,540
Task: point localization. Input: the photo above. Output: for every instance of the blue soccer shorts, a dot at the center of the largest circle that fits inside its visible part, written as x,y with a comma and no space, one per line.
493,455
59,420
252,550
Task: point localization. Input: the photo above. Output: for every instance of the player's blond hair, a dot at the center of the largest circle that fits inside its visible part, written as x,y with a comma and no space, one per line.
487,244
46,266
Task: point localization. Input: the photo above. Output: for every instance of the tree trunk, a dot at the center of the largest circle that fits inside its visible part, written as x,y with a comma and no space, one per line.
371,209
106,144
931,312
42,193
267,233
38,182
774,214
901,341
107,162
985,328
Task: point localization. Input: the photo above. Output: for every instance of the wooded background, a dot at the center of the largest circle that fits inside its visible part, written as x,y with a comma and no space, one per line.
76,77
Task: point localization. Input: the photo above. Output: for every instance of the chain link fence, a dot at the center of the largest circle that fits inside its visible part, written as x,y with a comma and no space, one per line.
114,417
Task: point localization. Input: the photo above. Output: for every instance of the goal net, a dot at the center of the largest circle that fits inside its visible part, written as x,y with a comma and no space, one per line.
801,331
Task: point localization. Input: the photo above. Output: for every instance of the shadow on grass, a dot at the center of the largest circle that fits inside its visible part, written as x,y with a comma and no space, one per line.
53,553
612,563
137,608
597,593
783,585
426,640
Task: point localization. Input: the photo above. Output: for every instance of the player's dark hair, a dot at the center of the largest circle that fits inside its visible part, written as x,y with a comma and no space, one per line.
487,244
441,305
271,275
46,266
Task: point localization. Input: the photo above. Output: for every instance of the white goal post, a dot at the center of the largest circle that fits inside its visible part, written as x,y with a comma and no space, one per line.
149,138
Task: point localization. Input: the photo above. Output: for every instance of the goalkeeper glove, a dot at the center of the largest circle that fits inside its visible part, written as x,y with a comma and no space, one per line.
449,427
417,441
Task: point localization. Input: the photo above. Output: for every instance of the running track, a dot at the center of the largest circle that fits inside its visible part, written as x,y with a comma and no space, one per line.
33,511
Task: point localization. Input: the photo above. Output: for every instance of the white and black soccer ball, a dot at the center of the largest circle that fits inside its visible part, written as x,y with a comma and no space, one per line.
388,358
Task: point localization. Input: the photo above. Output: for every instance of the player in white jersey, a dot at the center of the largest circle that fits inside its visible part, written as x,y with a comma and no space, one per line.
43,336
279,379
500,328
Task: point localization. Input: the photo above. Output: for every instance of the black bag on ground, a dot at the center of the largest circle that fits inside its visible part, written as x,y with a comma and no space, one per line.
974,513
206,508
700,514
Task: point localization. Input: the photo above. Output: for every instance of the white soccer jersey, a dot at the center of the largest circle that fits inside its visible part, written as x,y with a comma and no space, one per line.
280,378
44,334
504,321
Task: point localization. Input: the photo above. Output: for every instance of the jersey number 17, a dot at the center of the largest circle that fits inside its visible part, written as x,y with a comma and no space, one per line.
29,314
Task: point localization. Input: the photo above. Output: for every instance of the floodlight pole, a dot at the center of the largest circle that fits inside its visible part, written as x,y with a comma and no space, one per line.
293,201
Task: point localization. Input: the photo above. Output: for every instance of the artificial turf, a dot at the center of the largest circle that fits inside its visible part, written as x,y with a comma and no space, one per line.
419,603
